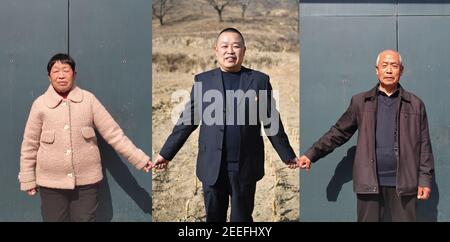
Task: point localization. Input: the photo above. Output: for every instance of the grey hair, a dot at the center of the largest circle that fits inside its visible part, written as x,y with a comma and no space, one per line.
379,55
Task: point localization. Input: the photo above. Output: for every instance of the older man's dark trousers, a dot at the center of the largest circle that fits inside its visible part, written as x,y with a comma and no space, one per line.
64,205
372,207
217,198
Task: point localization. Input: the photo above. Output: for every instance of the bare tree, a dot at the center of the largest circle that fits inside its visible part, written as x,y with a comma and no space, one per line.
160,9
244,5
219,5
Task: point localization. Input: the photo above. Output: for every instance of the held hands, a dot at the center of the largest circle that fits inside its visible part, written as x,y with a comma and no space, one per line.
304,163
293,164
160,163
148,166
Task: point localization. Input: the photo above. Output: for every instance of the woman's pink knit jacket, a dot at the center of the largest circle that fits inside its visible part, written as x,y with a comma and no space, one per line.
59,148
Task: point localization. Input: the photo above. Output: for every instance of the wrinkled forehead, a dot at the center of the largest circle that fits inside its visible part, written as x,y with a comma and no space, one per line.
389,57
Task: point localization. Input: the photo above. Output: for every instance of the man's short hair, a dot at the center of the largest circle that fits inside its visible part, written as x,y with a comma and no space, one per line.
379,56
231,30
63,58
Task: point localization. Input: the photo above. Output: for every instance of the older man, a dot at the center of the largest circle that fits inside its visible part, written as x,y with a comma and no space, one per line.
394,161
231,152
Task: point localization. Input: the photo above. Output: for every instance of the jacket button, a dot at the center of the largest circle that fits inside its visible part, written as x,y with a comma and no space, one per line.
375,189
70,175
66,126
63,104
68,152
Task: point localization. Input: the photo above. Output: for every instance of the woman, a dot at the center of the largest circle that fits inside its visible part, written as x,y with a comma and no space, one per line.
59,154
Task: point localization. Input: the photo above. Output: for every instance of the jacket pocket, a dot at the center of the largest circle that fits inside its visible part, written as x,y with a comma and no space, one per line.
48,136
88,132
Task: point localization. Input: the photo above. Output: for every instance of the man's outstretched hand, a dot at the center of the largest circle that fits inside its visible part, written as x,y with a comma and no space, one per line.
304,163
160,163
293,164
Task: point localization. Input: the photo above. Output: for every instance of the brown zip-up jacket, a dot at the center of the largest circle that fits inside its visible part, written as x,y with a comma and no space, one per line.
415,162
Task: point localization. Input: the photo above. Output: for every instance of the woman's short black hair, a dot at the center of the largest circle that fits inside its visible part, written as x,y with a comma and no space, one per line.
63,58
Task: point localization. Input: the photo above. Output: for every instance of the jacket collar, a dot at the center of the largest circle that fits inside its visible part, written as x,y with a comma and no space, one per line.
372,93
53,99
246,80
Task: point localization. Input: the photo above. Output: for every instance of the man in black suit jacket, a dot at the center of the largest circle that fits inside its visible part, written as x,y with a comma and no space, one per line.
232,103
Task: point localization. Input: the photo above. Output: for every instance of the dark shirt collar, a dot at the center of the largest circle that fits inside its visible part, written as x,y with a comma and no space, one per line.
394,94
372,94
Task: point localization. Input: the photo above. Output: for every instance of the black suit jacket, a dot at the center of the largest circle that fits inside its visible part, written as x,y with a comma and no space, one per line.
251,163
